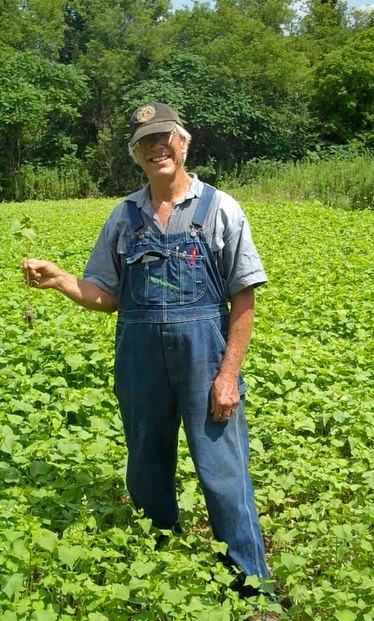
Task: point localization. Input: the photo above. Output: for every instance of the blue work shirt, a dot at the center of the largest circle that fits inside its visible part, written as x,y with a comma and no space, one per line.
226,229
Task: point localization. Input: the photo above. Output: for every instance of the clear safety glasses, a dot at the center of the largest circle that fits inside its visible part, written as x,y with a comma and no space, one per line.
161,137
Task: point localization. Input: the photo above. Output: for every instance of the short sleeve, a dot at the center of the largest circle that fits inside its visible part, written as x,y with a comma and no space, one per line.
238,259
103,266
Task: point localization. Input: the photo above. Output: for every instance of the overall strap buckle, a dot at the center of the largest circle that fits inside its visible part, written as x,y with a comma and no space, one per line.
194,230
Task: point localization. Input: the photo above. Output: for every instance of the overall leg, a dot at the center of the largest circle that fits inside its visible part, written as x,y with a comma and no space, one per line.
220,451
150,420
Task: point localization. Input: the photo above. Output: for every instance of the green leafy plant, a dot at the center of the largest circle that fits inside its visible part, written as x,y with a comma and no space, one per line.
23,230
72,547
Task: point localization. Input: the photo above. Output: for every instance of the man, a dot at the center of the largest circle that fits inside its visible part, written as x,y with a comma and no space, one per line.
169,259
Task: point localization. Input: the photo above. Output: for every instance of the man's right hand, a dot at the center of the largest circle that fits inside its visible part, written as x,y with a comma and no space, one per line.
41,274
46,275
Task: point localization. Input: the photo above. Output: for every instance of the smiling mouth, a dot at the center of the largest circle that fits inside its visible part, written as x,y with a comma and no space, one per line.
161,158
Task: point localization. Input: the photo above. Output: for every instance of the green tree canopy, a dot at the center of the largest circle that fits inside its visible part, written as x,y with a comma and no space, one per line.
40,104
32,25
251,79
344,90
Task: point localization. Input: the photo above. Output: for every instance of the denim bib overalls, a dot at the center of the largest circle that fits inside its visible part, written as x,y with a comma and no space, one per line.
170,340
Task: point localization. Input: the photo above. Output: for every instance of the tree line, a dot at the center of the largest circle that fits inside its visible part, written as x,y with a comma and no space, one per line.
251,79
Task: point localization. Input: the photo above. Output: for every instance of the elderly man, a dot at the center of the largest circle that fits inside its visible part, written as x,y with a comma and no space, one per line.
169,259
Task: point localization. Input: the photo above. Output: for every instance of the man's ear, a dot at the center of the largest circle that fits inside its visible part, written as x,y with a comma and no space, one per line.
135,157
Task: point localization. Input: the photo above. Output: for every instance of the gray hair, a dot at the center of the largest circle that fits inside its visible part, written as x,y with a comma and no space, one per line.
183,133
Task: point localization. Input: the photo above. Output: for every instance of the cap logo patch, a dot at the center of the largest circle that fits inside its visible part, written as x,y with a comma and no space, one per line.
145,114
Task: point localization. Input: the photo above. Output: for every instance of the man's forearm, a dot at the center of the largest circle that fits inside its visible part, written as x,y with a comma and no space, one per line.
225,393
47,275
239,331
85,293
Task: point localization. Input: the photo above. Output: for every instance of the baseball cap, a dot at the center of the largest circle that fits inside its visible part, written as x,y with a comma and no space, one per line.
152,119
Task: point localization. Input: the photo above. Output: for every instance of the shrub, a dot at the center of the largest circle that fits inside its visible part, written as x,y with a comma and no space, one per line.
47,183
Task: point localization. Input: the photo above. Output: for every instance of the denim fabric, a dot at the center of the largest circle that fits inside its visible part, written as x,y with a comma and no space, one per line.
226,229
171,337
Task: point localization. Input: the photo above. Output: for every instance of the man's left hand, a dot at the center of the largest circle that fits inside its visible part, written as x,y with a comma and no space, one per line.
224,397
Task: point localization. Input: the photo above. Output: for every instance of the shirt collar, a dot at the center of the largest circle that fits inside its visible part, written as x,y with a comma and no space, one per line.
143,201
195,188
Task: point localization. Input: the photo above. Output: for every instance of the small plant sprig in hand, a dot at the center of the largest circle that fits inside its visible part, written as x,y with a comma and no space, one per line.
23,230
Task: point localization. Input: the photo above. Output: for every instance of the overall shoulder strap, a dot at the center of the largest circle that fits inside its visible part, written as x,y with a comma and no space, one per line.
135,216
203,206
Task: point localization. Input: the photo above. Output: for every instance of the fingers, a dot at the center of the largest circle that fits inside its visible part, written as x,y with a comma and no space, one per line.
34,281
28,272
40,273
221,412
224,398
30,269
221,415
32,266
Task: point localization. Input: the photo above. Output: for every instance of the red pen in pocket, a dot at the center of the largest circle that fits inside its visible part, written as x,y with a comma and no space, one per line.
193,257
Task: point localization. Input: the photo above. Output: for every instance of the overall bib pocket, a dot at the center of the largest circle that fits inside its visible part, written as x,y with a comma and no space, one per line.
157,278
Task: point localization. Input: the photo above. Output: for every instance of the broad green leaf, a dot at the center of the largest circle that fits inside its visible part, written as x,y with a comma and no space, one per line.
281,369
146,524
12,585
22,406
121,591
256,445
299,593
38,468
68,587
276,495
7,615
44,615
292,561
75,361
306,423
253,581
345,615
141,568
219,546
16,224
8,440
20,549
224,578
118,536
30,235
187,500
69,555
45,539
174,596
342,531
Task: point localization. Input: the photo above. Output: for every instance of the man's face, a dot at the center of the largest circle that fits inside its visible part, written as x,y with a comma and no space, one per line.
160,155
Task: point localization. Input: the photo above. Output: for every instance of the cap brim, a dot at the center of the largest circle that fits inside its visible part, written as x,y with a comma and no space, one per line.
152,128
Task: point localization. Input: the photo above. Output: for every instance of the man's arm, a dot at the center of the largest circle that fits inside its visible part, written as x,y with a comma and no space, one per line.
46,275
224,393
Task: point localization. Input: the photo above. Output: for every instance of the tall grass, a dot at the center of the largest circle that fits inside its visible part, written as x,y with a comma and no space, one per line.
45,183
334,182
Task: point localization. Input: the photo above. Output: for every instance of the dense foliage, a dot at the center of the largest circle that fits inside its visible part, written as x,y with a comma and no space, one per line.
250,79
71,545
